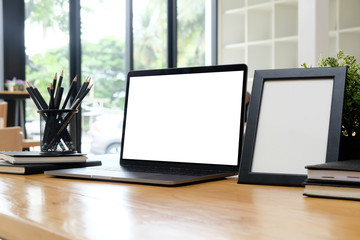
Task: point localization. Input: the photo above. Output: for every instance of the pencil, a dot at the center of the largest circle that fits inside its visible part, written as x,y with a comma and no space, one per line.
52,92
72,85
78,101
82,88
51,104
54,81
60,79
32,95
40,98
59,91
58,97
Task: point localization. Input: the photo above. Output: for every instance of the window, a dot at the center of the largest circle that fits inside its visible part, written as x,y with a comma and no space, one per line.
47,50
103,59
191,29
149,34
101,54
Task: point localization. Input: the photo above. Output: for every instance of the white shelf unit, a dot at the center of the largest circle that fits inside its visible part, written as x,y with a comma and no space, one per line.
260,33
344,26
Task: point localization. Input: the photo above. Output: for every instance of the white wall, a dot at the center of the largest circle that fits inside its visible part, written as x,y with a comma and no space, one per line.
313,29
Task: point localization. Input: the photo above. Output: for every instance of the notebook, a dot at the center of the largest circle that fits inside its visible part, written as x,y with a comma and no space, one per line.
181,125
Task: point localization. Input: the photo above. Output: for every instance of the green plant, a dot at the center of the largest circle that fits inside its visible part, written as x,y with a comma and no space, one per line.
351,111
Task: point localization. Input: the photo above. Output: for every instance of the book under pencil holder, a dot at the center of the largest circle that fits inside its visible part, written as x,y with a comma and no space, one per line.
54,132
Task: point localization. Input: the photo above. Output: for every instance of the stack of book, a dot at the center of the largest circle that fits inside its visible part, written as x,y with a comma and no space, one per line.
334,180
26,162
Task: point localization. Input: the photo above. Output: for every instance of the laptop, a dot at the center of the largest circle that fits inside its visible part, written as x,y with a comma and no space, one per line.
181,125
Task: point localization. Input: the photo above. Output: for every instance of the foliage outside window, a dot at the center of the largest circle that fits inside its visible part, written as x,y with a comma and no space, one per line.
149,31
191,32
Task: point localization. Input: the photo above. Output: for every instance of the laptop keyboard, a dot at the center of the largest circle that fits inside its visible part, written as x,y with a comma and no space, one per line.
167,170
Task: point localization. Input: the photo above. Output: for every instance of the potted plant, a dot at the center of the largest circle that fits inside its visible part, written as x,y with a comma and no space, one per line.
15,84
350,130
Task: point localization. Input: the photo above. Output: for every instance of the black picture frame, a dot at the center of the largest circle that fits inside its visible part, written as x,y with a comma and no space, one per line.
263,149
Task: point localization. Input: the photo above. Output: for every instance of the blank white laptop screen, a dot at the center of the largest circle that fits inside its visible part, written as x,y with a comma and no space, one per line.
188,118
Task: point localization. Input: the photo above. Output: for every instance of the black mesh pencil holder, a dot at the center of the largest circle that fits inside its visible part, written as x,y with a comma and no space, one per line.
54,130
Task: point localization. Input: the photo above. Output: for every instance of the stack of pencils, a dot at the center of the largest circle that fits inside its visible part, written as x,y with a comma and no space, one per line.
54,117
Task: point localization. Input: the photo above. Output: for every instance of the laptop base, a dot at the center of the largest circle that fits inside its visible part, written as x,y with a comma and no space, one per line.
122,175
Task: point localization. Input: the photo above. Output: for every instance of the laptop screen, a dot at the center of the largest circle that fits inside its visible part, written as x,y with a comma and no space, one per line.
185,115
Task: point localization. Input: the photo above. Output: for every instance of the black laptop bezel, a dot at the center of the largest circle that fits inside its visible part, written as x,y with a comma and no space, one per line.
186,70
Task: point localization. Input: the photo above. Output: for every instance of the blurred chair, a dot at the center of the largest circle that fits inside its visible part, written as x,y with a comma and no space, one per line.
11,139
3,114
11,131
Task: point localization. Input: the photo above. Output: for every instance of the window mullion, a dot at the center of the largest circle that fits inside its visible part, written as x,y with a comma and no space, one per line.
75,65
129,39
172,33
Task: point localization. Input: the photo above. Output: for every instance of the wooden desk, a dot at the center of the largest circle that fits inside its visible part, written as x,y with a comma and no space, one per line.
41,207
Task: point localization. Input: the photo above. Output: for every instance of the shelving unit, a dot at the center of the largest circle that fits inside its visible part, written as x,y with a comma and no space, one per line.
260,33
264,34
344,25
